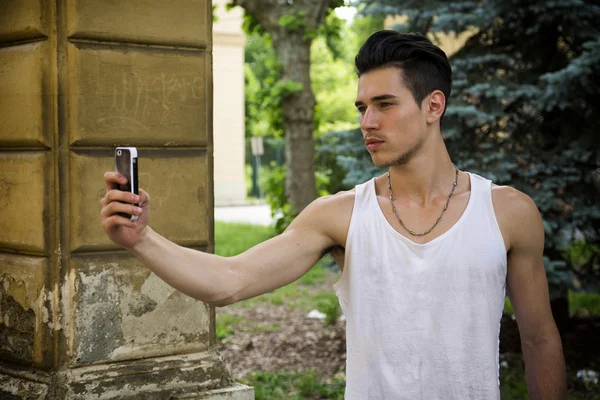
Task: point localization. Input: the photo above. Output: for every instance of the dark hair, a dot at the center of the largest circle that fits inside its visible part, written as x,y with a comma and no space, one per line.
425,66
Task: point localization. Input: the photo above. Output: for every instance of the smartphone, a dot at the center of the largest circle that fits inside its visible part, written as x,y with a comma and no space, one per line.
126,163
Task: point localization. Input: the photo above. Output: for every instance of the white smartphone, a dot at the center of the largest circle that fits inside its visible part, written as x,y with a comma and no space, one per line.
126,163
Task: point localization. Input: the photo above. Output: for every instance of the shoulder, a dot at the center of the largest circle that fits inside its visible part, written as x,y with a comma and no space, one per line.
336,206
329,215
510,200
517,215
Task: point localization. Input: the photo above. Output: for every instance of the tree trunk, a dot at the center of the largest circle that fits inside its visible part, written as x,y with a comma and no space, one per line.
298,117
293,48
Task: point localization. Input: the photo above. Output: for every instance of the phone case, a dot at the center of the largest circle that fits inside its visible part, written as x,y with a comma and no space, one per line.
126,163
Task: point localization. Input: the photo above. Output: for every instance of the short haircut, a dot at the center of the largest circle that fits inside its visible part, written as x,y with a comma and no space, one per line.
425,66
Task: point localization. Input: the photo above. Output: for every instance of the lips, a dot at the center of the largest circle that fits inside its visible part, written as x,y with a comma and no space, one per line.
373,144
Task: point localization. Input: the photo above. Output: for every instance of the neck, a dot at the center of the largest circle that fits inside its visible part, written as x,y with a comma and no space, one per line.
425,178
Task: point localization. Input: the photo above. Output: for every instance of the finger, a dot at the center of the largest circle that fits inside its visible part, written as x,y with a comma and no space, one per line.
115,207
121,196
144,198
112,180
116,221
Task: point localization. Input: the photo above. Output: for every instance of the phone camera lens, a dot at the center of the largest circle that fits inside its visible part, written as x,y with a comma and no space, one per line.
119,152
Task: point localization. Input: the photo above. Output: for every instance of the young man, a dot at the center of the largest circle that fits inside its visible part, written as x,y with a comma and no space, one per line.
428,250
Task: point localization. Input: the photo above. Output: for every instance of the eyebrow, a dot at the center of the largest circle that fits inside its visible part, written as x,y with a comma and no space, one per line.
376,98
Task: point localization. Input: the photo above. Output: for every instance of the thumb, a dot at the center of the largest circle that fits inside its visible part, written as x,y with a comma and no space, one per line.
144,198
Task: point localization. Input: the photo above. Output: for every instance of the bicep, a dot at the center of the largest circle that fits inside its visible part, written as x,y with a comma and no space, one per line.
284,258
527,284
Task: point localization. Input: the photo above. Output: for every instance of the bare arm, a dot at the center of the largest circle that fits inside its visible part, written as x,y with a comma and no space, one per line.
220,280
528,292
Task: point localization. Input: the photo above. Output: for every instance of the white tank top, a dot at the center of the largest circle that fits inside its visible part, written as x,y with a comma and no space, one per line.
423,320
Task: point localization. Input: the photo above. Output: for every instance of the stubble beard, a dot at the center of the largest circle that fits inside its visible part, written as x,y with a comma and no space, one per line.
404,157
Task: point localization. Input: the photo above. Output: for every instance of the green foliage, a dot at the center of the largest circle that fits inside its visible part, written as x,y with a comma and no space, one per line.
214,13
226,324
508,310
274,187
293,20
294,385
263,88
512,381
524,110
329,305
334,85
584,305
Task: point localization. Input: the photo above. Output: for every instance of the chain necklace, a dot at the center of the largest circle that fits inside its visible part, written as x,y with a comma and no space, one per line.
413,233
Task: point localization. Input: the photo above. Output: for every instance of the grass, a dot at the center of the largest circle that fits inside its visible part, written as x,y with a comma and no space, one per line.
263,328
232,239
226,323
292,385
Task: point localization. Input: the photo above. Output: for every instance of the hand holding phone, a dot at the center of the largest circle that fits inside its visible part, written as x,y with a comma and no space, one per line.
126,163
122,201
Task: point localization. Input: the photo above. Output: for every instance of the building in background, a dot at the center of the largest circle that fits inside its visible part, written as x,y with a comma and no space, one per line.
228,100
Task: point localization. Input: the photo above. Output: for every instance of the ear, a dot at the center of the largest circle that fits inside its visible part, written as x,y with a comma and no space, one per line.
436,103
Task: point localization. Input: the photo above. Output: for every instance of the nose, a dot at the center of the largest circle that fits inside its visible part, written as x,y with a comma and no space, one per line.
369,120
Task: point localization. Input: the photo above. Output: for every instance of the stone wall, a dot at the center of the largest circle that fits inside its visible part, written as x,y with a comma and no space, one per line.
79,317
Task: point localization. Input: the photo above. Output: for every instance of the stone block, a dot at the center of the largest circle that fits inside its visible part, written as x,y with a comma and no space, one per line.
25,96
22,20
124,312
26,310
177,181
139,96
24,200
188,23
147,379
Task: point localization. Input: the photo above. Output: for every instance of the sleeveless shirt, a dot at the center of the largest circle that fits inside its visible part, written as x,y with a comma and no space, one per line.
423,320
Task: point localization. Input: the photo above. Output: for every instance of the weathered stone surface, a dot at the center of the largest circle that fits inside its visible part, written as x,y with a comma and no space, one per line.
141,21
24,200
138,96
148,379
24,87
21,388
26,310
237,392
173,178
22,19
124,312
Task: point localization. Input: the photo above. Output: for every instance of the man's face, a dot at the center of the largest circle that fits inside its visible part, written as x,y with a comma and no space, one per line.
392,124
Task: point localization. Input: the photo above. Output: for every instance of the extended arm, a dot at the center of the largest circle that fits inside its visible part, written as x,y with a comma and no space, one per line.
220,280
528,292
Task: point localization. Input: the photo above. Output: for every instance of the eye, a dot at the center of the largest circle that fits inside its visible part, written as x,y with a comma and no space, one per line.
361,109
384,105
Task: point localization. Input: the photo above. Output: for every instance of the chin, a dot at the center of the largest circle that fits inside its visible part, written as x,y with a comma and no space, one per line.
382,161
